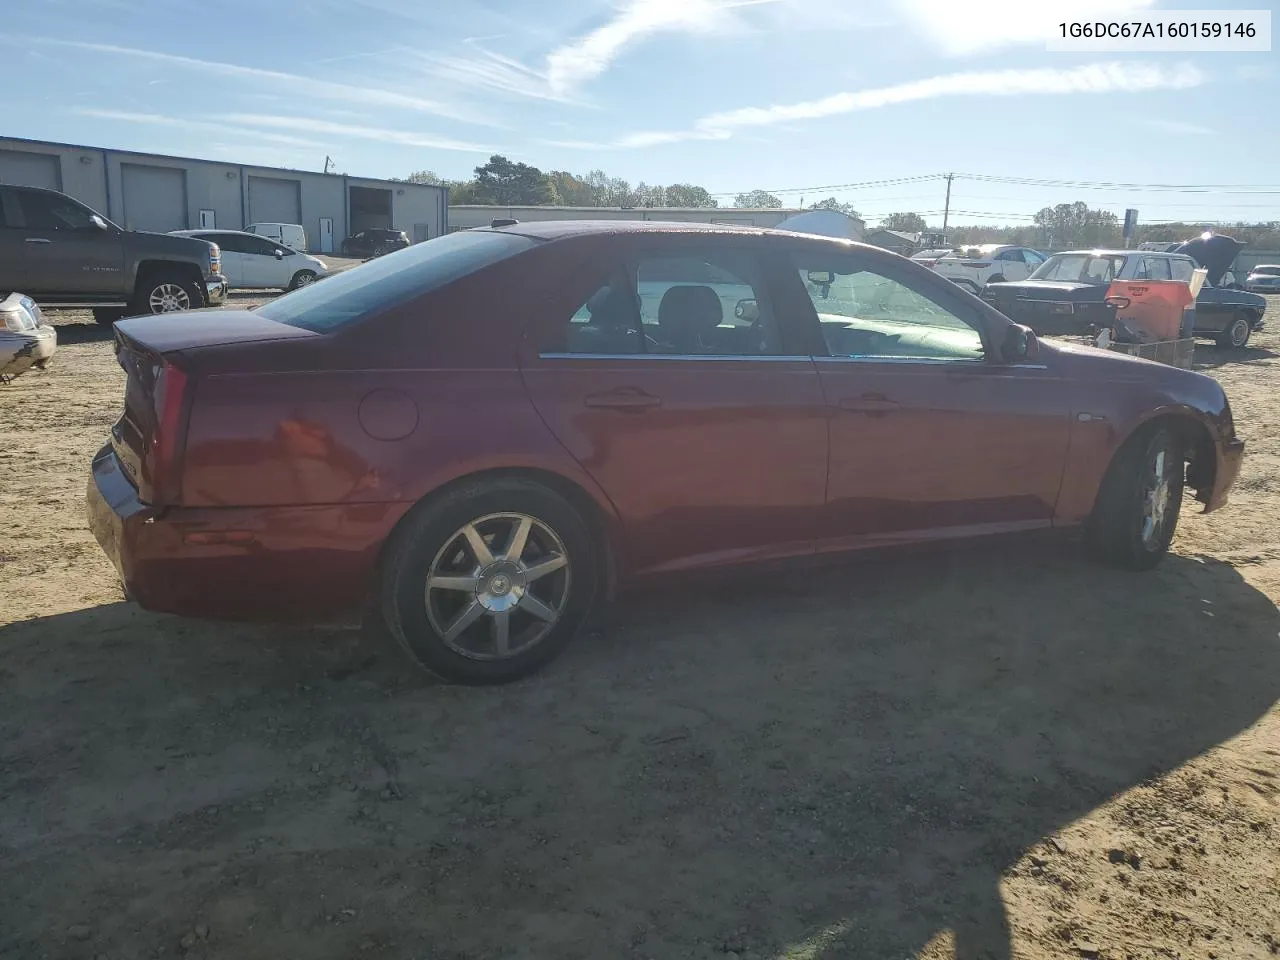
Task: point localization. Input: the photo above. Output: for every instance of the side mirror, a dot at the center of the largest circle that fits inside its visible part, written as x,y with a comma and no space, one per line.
98,222
747,310
1020,345
279,254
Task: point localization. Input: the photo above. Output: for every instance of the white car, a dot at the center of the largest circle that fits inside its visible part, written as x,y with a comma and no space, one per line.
974,267
26,341
1264,278
251,262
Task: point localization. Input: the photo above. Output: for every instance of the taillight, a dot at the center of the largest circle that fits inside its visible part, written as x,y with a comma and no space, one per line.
166,444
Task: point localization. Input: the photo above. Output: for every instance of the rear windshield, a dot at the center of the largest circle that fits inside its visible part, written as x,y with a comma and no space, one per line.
338,300
1080,268
1267,271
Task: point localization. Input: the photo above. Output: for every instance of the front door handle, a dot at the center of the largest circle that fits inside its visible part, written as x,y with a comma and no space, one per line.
869,403
38,240
624,398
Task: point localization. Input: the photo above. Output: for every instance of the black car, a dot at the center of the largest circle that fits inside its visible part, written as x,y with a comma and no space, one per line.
374,243
1067,293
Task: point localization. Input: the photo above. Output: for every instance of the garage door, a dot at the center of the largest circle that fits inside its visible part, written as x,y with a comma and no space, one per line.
274,201
30,169
155,198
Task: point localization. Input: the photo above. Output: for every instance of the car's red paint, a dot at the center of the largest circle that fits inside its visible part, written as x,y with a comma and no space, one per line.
301,451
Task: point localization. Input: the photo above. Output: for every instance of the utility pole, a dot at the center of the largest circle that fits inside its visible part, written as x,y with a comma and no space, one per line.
946,208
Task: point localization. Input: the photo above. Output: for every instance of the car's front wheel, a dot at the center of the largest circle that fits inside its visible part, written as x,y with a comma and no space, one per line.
1137,510
302,278
489,582
1237,333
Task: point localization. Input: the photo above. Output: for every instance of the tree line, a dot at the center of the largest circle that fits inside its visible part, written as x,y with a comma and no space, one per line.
504,182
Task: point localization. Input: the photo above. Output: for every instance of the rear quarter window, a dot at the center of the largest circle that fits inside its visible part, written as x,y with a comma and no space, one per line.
346,297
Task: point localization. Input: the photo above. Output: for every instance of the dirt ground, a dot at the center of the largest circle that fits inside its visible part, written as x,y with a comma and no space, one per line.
991,751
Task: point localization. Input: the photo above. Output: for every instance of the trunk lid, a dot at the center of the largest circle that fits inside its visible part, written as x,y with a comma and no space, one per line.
1215,253
150,436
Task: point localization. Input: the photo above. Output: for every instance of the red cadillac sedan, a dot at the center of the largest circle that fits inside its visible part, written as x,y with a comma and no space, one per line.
483,434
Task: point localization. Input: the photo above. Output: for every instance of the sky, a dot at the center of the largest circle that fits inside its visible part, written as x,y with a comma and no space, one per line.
799,97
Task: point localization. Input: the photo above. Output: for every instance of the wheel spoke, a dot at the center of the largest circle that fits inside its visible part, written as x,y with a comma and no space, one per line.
466,583
470,614
519,537
479,549
543,567
1160,465
501,633
531,604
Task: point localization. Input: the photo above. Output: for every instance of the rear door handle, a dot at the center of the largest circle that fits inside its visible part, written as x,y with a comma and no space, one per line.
38,240
624,398
869,403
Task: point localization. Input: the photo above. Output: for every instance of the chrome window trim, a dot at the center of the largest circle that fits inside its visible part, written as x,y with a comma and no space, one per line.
668,356
931,361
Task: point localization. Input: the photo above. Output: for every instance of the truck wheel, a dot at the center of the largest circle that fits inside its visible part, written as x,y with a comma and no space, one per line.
1137,510
1237,333
166,291
108,315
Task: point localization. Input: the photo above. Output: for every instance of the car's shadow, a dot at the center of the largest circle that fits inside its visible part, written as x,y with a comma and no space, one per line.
835,762
1211,356
74,332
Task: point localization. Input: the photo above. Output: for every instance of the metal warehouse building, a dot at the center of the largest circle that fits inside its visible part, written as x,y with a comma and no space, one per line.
146,191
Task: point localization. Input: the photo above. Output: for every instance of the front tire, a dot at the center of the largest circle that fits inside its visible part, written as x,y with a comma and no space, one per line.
166,291
1236,335
490,582
1141,497
302,278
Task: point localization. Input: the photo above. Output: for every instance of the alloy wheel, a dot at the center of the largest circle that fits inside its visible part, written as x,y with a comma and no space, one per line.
169,297
1155,500
498,586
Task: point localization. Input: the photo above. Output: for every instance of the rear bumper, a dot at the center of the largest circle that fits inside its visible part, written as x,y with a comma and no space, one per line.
309,564
1230,456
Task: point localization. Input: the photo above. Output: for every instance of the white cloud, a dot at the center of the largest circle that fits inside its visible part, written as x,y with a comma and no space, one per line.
355,131
181,123
1113,77
571,65
304,86
1179,127
959,28
490,71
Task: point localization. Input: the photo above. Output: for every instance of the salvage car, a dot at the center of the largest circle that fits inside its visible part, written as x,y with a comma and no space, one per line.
253,262
26,341
481,436
1264,278
975,267
1067,295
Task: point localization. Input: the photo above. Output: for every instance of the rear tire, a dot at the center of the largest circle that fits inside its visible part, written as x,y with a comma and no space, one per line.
1137,511
998,278
1237,333
166,291
484,615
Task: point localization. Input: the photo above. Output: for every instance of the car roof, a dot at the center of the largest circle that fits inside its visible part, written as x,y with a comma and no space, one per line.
240,233
557,229
1126,253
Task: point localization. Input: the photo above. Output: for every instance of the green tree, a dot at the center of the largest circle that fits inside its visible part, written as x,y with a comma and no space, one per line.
756,198
831,203
1077,225
572,190
905,222
688,195
425,176
504,181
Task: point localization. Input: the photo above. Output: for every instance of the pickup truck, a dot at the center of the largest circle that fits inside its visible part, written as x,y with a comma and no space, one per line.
65,254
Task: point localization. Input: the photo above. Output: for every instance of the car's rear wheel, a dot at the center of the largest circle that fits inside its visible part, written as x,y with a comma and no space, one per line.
302,278
166,291
998,278
1141,497
1237,333
489,583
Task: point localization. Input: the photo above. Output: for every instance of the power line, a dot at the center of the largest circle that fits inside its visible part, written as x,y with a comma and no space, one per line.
840,186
